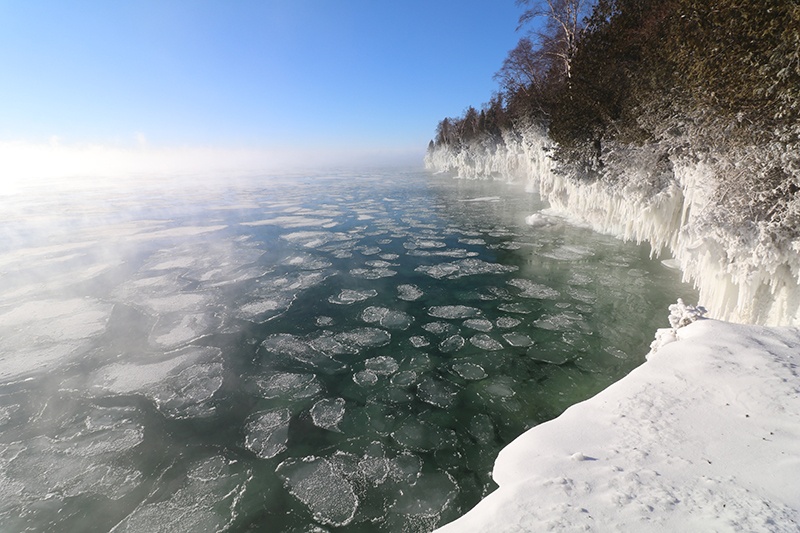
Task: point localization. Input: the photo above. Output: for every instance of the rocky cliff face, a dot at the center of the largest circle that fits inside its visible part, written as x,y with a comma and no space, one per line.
745,272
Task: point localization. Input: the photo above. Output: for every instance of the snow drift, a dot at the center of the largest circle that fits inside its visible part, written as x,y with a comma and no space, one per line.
703,437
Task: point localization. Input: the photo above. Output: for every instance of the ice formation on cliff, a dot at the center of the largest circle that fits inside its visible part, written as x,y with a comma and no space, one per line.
743,275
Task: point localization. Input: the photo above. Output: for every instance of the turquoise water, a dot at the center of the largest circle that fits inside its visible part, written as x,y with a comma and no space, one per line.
339,352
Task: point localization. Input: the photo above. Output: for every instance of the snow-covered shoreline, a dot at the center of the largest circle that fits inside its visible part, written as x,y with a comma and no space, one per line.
705,436
741,278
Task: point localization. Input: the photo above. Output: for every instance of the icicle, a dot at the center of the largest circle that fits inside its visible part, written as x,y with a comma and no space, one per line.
740,280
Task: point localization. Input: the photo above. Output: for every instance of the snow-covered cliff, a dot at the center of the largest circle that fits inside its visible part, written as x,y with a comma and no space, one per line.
743,275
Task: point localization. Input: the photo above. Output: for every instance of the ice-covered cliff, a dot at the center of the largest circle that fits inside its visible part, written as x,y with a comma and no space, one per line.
743,272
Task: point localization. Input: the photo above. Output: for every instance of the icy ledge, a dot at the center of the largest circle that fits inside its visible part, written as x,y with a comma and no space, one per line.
742,278
705,436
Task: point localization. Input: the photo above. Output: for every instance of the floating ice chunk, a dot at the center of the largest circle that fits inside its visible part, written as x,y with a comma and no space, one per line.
485,342
450,252
180,386
43,334
582,295
382,365
388,318
388,257
516,307
439,328
273,296
174,303
529,289
326,343
431,496
328,413
264,309
469,371
568,253
324,321
423,243
326,493
418,341
290,222
465,267
188,393
372,273
369,250
550,354
379,264
578,278
171,331
183,231
409,293
289,386
497,388
404,378
475,242
205,500
454,311
482,428
507,322
483,199
350,296
299,350
517,339
365,378
436,392
41,468
439,271
561,322
56,320
480,324
307,262
364,337
413,434
309,239
267,432
451,344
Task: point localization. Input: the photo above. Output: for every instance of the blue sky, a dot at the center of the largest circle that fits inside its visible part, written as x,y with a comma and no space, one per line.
271,74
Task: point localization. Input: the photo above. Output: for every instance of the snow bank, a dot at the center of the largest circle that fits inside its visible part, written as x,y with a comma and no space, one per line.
742,276
705,436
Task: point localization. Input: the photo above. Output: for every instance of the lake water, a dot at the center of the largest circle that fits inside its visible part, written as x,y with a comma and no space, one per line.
340,352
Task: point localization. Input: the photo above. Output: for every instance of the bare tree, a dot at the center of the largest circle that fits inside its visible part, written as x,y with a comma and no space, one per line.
524,69
562,23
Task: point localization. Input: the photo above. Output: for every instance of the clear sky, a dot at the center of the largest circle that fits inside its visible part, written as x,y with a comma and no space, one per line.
277,76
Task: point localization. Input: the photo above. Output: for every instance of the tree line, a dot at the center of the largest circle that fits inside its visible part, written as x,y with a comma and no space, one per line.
598,72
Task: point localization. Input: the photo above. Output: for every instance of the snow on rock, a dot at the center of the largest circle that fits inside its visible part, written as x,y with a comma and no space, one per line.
680,315
744,274
705,436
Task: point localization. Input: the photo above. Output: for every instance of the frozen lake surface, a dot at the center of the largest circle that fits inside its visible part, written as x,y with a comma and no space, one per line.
341,352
